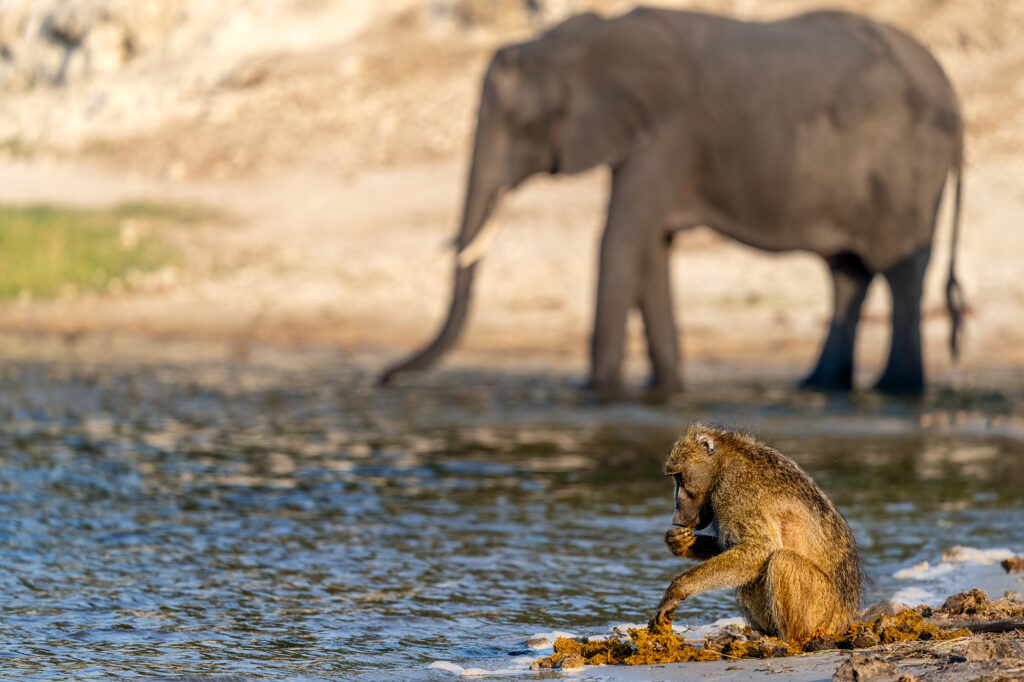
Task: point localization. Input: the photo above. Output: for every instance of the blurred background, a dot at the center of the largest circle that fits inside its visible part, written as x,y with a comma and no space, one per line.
290,171
219,219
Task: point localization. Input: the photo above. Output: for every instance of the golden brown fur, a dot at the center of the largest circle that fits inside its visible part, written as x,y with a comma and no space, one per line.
780,542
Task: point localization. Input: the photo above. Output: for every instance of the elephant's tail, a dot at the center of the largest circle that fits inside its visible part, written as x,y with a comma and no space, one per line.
954,294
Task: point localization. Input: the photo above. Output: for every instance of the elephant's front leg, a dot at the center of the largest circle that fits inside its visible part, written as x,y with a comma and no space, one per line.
659,318
618,289
643,189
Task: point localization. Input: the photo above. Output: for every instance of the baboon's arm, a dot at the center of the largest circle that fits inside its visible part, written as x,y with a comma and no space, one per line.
734,567
705,547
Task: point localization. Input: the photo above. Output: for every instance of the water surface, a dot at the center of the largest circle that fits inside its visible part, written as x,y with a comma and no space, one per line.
291,521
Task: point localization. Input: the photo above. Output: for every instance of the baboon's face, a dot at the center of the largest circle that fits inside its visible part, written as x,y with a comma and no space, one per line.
692,510
691,466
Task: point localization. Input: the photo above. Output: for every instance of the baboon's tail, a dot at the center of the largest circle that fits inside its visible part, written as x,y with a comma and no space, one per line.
954,294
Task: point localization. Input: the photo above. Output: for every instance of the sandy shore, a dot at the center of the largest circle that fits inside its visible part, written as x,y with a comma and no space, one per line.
335,139
361,263
997,656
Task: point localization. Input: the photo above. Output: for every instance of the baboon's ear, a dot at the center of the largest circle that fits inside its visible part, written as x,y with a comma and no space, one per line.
706,442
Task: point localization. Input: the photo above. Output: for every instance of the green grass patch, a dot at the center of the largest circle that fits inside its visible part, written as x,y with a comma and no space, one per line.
48,250
15,147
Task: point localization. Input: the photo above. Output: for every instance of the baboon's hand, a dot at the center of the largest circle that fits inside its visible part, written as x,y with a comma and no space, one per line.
679,541
662,620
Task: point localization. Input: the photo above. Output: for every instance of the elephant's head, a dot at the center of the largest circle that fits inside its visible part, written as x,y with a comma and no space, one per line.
572,99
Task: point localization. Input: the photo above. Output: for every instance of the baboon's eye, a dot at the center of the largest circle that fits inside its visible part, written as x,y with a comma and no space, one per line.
680,486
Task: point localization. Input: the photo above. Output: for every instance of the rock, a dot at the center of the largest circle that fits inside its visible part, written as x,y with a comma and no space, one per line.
621,632
718,641
1014,564
882,608
771,648
57,42
539,642
973,603
820,642
572,663
865,640
994,649
864,667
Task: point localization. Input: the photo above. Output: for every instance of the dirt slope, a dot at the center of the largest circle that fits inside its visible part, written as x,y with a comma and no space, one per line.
336,132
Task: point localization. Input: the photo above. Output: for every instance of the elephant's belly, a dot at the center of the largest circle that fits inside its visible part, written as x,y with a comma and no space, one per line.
821,236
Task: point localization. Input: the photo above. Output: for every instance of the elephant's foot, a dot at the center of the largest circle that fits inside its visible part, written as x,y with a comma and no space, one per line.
901,380
660,388
603,389
828,381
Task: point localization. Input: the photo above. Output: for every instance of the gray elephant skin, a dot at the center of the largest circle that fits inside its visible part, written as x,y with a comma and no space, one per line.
825,132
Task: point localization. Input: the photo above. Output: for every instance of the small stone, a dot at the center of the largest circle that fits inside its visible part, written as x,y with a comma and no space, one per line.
882,608
572,663
975,602
865,640
995,649
820,642
864,667
770,648
539,642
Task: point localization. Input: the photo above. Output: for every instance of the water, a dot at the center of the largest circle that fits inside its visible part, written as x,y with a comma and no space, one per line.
290,521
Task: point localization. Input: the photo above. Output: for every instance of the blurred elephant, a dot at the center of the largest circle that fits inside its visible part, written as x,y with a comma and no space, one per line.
826,132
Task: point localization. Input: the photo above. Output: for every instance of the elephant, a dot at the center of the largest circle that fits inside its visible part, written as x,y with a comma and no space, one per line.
825,132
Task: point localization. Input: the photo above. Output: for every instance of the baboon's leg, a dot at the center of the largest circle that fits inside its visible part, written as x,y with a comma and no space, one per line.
798,597
659,318
904,373
850,280
753,602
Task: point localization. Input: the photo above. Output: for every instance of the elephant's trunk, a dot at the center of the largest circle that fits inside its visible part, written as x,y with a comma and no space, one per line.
487,179
449,332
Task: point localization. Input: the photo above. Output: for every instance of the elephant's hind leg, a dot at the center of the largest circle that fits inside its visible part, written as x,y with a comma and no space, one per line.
659,319
904,373
850,280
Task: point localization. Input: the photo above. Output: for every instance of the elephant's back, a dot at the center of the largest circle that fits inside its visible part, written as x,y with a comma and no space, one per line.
897,128
884,43
826,131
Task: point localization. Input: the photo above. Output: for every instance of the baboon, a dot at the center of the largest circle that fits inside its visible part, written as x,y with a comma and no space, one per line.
779,541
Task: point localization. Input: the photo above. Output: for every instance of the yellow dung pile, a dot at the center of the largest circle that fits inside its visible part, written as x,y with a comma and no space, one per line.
646,647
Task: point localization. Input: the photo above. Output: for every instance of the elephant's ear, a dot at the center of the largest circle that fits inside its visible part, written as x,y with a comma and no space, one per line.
629,76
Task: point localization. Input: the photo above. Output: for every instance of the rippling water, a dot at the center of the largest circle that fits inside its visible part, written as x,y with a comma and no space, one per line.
293,522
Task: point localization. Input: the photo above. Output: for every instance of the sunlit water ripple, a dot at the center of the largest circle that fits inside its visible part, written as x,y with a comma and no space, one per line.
192,519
